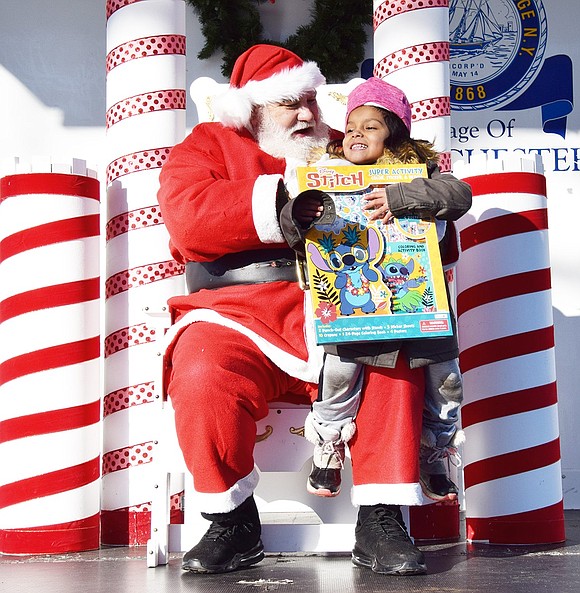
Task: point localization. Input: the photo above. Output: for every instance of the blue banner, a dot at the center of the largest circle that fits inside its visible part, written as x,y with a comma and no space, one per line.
553,91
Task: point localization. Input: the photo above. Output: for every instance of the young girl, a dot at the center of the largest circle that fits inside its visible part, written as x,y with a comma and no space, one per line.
377,131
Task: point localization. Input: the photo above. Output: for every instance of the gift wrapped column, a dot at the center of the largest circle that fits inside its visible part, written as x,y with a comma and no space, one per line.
512,473
145,118
411,51
50,433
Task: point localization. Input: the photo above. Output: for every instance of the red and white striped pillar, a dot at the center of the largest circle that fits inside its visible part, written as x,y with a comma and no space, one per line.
411,51
512,472
50,411
145,117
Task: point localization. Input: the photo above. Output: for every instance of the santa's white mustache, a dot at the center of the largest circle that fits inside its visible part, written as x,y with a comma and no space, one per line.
300,127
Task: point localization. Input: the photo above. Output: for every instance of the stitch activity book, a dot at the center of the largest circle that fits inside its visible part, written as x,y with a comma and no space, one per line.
371,281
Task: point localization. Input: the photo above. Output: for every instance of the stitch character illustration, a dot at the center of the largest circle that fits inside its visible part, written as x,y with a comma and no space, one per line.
396,276
351,263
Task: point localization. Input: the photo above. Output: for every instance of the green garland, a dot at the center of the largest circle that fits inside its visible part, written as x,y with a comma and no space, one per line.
335,37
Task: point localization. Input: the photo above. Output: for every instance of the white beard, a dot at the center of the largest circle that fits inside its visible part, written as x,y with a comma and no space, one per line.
279,142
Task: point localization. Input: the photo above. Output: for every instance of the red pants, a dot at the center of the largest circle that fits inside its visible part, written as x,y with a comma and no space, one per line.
221,384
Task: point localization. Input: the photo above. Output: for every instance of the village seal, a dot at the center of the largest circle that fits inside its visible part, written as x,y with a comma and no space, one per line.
496,49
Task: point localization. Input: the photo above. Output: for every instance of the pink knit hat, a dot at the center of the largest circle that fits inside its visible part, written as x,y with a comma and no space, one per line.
378,93
264,74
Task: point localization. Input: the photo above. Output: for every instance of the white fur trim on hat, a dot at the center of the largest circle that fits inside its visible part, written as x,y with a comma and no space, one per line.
233,108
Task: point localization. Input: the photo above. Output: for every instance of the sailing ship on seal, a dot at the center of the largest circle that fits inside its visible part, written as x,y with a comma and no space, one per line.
473,26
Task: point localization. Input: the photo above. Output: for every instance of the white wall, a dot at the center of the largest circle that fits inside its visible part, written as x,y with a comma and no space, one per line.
52,103
52,73
52,77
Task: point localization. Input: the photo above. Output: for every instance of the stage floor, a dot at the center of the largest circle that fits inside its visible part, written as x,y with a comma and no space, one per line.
456,567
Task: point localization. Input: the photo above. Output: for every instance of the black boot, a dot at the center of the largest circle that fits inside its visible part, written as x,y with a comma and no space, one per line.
438,487
382,543
231,542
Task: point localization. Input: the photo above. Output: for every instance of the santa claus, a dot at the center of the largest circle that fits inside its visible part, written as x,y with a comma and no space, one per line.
241,338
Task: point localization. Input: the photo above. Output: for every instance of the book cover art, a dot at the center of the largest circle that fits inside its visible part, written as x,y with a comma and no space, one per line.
371,281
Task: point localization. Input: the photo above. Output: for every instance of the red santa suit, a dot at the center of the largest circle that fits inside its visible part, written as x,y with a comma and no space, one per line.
233,350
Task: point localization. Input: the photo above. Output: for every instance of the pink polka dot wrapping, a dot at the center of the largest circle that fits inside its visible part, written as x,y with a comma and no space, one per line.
412,56
145,103
132,221
141,276
127,337
114,5
133,395
435,107
144,48
127,457
392,8
142,160
445,162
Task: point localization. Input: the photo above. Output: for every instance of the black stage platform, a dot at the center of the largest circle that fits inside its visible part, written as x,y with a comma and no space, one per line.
454,568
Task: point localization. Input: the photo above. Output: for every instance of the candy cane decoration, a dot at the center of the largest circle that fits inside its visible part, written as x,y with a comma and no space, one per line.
411,51
512,473
145,118
49,365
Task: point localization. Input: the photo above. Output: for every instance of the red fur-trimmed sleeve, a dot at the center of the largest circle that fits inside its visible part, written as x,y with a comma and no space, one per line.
218,194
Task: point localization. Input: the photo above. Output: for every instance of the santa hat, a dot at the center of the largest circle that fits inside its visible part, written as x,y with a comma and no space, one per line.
264,74
378,93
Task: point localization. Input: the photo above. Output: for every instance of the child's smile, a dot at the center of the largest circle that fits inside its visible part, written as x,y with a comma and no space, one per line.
365,135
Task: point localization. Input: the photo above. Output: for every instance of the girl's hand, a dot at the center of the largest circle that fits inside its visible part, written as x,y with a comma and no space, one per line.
306,210
376,205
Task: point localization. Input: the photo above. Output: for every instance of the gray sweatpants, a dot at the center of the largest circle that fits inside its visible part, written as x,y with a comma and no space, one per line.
340,393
